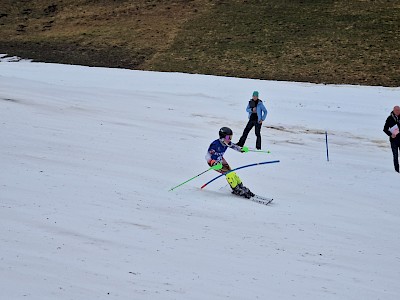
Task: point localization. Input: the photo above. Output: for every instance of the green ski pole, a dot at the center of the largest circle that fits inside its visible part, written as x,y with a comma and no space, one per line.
247,149
260,151
216,167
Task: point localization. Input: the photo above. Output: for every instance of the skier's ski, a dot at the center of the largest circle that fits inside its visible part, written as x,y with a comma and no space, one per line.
258,199
261,199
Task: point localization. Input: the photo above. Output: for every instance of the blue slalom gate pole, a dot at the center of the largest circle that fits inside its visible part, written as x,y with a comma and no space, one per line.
246,166
326,143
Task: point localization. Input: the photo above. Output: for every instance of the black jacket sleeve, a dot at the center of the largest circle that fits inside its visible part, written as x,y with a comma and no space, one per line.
390,122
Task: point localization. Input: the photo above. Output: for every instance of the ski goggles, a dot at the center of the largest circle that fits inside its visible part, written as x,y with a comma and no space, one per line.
228,138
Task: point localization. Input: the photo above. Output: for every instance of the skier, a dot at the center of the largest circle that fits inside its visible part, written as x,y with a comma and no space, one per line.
215,155
257,114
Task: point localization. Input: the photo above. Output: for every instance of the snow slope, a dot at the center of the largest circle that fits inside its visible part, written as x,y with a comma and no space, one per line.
88,155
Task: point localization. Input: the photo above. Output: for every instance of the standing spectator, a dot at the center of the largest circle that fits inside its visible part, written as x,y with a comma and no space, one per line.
391,128
257,114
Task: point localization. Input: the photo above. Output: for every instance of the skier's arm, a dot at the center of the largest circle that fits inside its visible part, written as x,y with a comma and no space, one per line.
208,157
235,147
211,158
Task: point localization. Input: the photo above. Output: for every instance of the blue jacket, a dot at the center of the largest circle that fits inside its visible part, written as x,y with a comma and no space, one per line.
261,110
217,150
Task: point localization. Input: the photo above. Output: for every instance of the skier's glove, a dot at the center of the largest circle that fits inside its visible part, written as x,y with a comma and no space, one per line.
214,162
245,149
217,167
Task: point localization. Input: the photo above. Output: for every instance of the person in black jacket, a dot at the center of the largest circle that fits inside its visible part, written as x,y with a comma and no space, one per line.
391,128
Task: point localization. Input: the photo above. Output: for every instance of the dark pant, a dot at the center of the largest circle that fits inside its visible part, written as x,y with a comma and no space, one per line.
249,126
395,149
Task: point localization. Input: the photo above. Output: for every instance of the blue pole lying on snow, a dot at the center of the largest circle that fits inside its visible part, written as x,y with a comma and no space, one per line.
251,165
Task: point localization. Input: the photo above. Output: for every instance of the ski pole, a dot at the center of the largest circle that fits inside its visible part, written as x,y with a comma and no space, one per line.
215,167
246,149
259,151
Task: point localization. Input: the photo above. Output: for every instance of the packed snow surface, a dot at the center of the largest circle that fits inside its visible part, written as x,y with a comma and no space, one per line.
88,156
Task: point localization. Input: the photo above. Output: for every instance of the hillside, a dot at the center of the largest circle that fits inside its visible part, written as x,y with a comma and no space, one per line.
353,42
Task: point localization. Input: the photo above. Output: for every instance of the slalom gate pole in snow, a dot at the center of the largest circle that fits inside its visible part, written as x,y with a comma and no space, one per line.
216,167
326,143
246,166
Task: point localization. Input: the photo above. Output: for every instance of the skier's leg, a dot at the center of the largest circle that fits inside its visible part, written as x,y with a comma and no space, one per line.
246,131
225,166
237,186
247,192
232,180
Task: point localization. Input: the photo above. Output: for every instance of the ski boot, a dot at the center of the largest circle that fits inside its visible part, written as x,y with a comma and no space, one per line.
248,193
237,190
237,186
